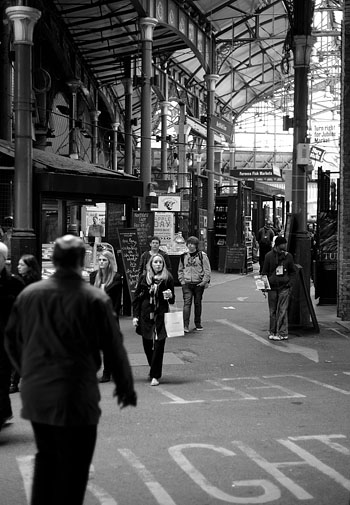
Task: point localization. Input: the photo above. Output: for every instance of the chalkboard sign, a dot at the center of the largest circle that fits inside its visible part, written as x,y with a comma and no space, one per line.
144,224
129,246
235,257
115,219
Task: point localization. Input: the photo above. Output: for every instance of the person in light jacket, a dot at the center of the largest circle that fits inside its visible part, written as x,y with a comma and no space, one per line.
154,292
194,276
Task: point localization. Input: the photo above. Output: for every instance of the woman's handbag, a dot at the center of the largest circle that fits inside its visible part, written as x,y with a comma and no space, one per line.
174,323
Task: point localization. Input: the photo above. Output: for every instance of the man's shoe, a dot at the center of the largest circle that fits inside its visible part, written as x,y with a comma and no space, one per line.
272,336
105,378
199,327
186,329
283,337
154,382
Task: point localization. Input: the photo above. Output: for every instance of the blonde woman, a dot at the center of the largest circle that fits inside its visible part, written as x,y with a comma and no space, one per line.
154,292
109,279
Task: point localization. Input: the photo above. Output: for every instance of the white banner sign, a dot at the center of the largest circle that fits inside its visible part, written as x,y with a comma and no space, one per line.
164,228
169,203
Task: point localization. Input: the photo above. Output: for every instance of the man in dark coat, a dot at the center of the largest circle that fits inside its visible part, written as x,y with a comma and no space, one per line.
10,287
280,270
54,336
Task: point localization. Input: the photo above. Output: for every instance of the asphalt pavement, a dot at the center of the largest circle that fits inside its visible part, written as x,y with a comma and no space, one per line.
236,418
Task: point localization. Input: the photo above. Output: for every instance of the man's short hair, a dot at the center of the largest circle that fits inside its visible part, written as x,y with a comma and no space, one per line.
280,240
69,252
193,240
155,238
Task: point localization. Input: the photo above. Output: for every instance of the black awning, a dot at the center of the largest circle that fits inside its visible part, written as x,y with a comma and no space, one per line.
65,176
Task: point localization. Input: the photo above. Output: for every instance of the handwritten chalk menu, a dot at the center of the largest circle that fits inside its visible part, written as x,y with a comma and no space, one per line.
115,219
129,246
144,224
235,257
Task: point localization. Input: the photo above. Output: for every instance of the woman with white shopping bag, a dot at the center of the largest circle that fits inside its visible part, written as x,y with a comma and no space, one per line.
154,292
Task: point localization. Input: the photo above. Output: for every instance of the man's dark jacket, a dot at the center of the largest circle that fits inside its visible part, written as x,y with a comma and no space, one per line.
272,260
54,336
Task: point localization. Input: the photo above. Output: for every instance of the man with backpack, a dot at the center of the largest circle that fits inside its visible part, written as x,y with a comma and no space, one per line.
194,276
264,238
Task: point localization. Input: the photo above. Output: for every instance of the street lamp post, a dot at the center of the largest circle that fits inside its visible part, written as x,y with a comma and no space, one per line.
23,238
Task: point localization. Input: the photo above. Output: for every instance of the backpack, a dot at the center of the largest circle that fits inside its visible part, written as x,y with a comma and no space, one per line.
200,254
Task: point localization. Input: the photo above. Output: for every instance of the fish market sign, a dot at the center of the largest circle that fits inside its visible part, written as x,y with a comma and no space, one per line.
257,173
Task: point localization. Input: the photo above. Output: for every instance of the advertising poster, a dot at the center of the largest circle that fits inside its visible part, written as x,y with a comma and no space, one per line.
164,224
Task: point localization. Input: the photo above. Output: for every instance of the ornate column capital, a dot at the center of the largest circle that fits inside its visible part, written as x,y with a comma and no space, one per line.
147,26
211,80
302,48
24,19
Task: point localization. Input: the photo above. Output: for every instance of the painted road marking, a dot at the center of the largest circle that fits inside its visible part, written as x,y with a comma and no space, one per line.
316,463
270,491
159,493
229,308
26,468
313,381
242,298
247,385
273,470
261,385
176,400
257,490
283,346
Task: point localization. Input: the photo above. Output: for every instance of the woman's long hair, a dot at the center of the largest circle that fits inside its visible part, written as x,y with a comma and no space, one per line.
34,271
109,271
163,275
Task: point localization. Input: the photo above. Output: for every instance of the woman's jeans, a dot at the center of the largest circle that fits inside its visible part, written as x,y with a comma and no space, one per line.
192,292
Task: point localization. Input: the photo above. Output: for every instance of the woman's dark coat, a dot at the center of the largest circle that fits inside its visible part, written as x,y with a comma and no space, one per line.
114,290
142,308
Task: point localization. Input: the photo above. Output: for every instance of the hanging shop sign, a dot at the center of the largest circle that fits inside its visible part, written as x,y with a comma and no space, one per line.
222,126
169,202
257,173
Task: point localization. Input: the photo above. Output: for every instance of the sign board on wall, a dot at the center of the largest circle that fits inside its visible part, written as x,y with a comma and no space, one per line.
164,224
144,224
129,245
169,203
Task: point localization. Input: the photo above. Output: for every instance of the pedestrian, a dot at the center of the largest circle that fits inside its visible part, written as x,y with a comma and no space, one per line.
54,336
280,270
109,279
194,276
154,249
29,271
154,292
10,287
264,238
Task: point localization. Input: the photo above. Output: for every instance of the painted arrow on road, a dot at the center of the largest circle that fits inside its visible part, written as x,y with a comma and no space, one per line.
308,353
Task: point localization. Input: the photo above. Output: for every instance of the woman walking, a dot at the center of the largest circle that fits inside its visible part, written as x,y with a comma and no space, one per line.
28,271
108,278
154,292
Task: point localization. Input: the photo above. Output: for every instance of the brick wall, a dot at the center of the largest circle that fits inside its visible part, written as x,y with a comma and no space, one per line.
344,206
